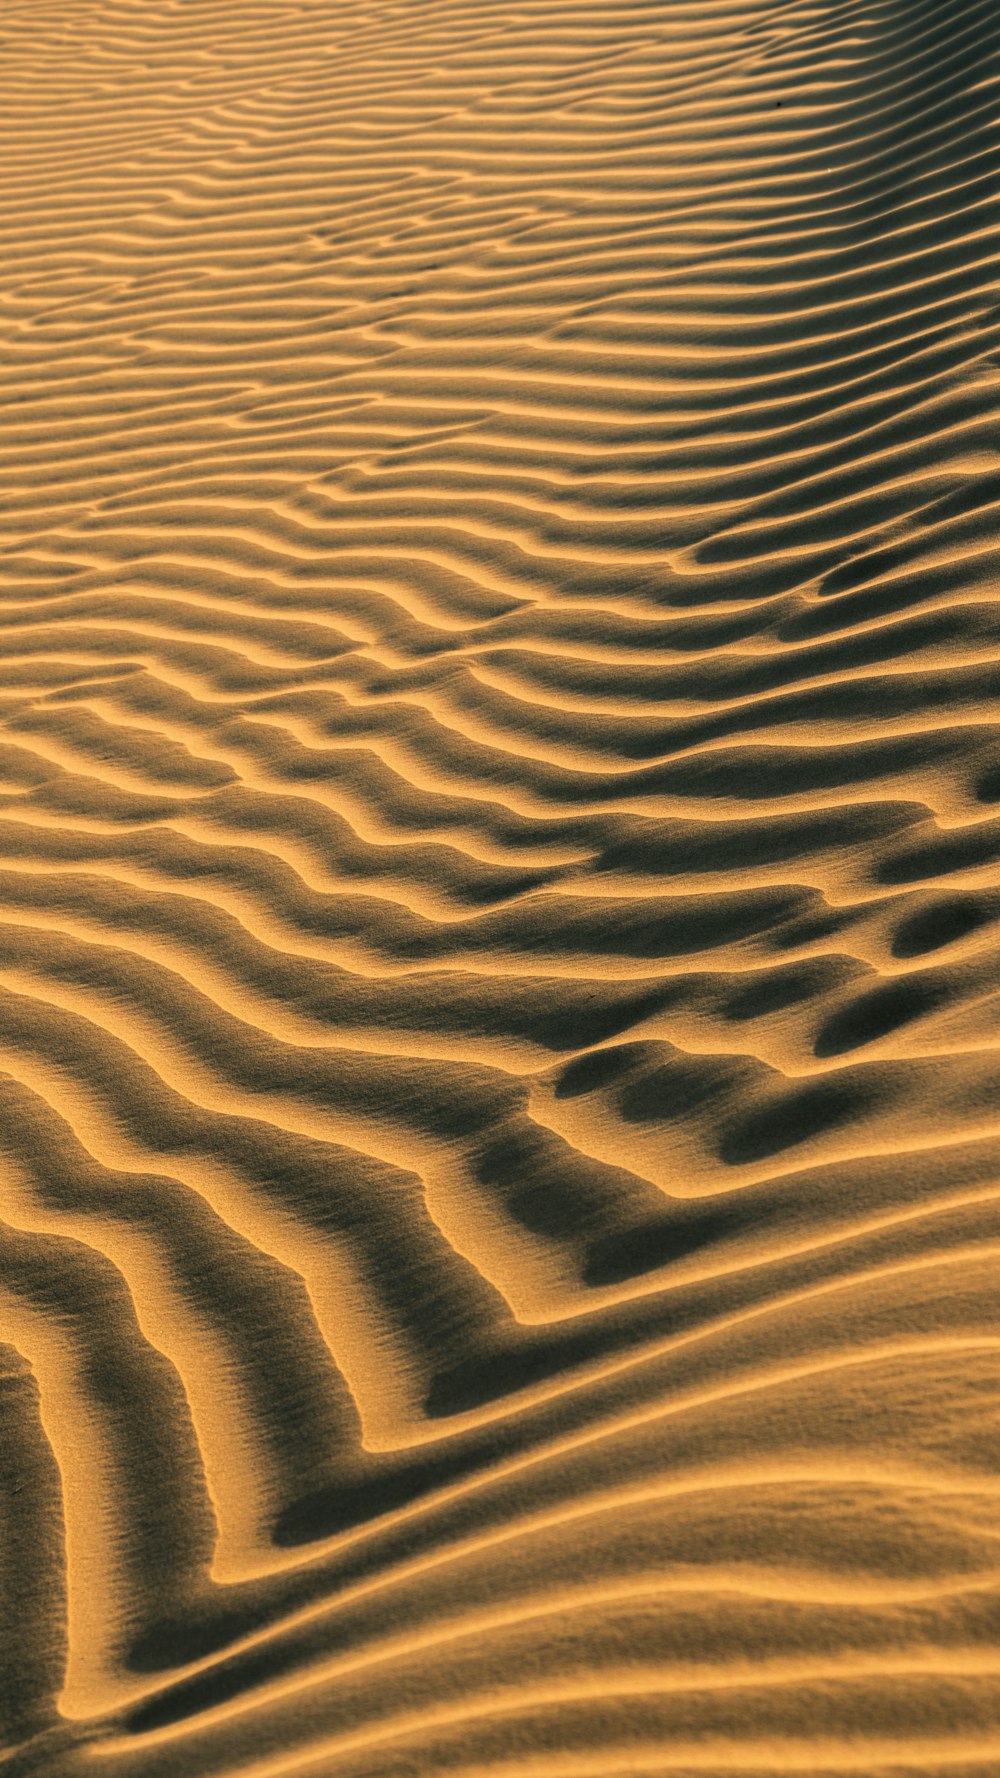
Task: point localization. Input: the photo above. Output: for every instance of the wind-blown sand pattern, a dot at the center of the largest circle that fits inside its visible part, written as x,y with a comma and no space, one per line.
499,781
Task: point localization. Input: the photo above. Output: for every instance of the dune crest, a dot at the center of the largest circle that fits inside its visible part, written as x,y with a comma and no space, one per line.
499,884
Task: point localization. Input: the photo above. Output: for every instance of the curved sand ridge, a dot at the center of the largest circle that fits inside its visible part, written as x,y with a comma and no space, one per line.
499,1085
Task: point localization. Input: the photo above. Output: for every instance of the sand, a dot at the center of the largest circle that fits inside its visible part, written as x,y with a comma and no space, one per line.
499,884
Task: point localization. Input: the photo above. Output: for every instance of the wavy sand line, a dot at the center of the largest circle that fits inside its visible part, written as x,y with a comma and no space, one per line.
498,879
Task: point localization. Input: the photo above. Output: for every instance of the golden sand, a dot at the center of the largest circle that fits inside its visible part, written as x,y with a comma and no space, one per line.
499,883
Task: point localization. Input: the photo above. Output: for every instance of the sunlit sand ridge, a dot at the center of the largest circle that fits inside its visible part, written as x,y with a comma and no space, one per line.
499,885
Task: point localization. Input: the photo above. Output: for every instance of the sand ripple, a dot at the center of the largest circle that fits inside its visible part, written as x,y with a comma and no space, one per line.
499,881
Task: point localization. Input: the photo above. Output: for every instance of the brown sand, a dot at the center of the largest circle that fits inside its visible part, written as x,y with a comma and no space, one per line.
500,1094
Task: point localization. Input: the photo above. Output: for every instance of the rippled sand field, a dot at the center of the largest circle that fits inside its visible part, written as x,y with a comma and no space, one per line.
499,887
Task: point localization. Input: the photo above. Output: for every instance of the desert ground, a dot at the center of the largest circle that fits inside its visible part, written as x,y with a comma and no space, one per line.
499,889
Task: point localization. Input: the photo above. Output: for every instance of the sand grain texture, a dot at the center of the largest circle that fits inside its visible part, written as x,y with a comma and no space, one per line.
499,887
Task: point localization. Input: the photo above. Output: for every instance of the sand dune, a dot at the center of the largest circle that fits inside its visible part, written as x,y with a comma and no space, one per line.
499,888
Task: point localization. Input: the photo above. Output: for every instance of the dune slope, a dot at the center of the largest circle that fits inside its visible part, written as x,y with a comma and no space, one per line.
499,888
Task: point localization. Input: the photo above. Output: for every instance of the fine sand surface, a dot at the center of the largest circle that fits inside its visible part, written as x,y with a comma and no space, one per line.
499,888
